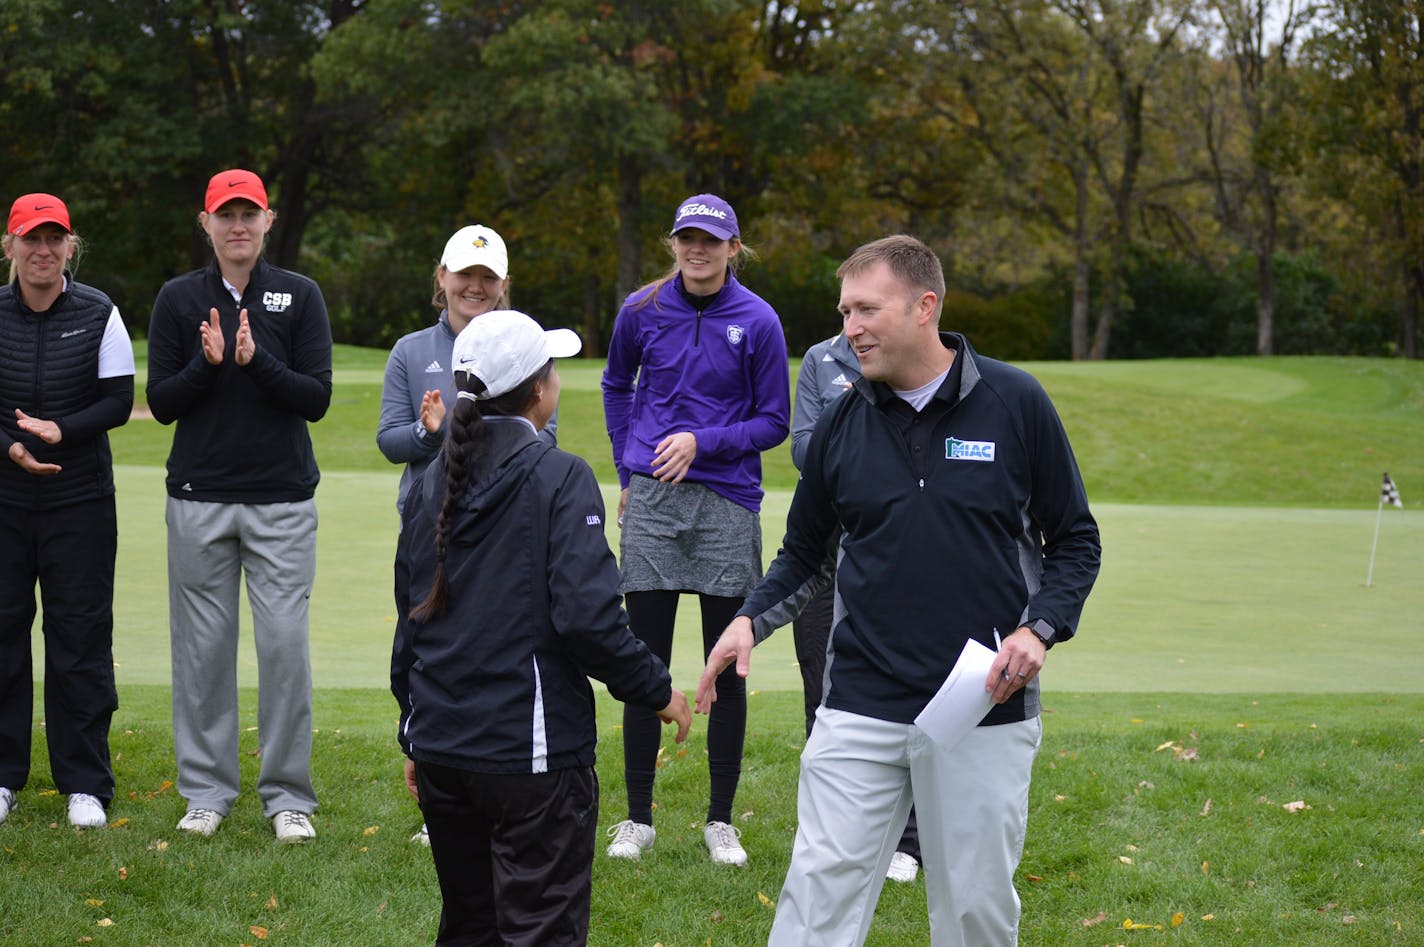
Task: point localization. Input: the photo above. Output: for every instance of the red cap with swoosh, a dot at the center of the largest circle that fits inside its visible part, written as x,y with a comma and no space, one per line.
32,210
232,185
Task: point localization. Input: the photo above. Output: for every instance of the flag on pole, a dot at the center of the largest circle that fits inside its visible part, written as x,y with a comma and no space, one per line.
1389,493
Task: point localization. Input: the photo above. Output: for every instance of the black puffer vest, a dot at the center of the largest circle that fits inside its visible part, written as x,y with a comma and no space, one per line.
49,368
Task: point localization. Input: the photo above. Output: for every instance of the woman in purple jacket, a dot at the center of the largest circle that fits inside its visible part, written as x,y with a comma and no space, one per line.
697,386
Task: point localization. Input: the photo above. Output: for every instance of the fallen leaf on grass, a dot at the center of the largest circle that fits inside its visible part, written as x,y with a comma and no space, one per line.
1178,918
158,845
1124,859
49,792
1093,921
371,830
94,902
1206,867
105,922
1059,797
259,932
118,823
1131,925
1348,919
765,901
271,903
123,873
381,908
1296,806
1034,877
1206,807
1208,917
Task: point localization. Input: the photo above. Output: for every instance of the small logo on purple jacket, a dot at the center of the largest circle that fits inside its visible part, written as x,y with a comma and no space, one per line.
735,334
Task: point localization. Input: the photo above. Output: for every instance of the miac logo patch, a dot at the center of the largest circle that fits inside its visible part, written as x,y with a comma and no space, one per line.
955,449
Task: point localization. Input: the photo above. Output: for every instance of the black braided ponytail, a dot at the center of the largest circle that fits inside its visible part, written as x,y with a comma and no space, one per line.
465,445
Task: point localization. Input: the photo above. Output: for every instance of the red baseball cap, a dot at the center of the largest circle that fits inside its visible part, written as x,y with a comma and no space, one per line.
34,209
232,185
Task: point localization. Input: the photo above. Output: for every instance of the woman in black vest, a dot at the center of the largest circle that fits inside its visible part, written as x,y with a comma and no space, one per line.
66,378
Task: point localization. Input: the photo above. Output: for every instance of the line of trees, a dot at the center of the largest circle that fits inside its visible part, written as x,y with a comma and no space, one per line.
1103,178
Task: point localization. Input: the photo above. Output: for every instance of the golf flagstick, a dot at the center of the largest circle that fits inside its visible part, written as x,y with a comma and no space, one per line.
1373,543
1389,493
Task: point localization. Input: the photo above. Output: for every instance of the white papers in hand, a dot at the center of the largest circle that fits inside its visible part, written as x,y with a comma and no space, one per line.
961,701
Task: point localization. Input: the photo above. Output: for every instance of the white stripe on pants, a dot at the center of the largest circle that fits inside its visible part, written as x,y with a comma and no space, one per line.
211,547
853,799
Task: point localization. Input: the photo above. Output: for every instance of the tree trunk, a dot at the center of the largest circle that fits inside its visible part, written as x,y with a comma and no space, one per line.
1409,320
1082,273
1266,266
630,248
592,329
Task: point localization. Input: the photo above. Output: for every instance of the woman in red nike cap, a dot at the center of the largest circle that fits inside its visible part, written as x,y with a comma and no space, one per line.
66,378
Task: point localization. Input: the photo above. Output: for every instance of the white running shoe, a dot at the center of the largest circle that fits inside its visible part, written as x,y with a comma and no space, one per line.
722,843
903,868
7,802
293,826
630,839
423,836
202,822
86,811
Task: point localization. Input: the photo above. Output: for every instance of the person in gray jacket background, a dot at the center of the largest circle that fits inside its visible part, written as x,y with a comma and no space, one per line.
471,279
828,370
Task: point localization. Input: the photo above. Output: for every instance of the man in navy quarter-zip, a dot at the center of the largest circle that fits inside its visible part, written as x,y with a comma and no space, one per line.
962,511
239,356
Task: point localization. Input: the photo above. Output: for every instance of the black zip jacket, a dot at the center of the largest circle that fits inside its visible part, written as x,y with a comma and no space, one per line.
241,434
966,518
498,684
49,368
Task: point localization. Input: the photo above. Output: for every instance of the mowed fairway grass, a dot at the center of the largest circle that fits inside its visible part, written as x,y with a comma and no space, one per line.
1230,664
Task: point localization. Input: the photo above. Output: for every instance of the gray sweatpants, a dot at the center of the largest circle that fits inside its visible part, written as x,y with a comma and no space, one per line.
853,798
211,547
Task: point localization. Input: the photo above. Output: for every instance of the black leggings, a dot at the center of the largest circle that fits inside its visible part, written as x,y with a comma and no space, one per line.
652,616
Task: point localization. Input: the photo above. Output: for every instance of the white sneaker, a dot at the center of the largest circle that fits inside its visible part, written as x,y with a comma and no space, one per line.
722,843
903,868
202,822
423,836
7,802
630,839
293,826
86,811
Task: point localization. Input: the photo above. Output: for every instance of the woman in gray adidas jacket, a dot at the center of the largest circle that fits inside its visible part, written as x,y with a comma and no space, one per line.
471,280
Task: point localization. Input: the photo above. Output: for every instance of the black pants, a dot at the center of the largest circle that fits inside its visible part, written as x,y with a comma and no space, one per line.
811,631
70,552
513,852
651,616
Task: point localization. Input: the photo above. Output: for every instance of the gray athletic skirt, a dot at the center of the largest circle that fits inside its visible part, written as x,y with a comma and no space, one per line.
684,537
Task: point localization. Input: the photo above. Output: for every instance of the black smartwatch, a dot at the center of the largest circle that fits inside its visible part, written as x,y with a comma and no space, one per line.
1045,632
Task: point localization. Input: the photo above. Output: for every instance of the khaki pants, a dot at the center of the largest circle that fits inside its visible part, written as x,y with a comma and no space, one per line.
859,777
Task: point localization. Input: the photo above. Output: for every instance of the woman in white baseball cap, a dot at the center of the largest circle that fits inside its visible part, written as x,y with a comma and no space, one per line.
507,601
471,279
